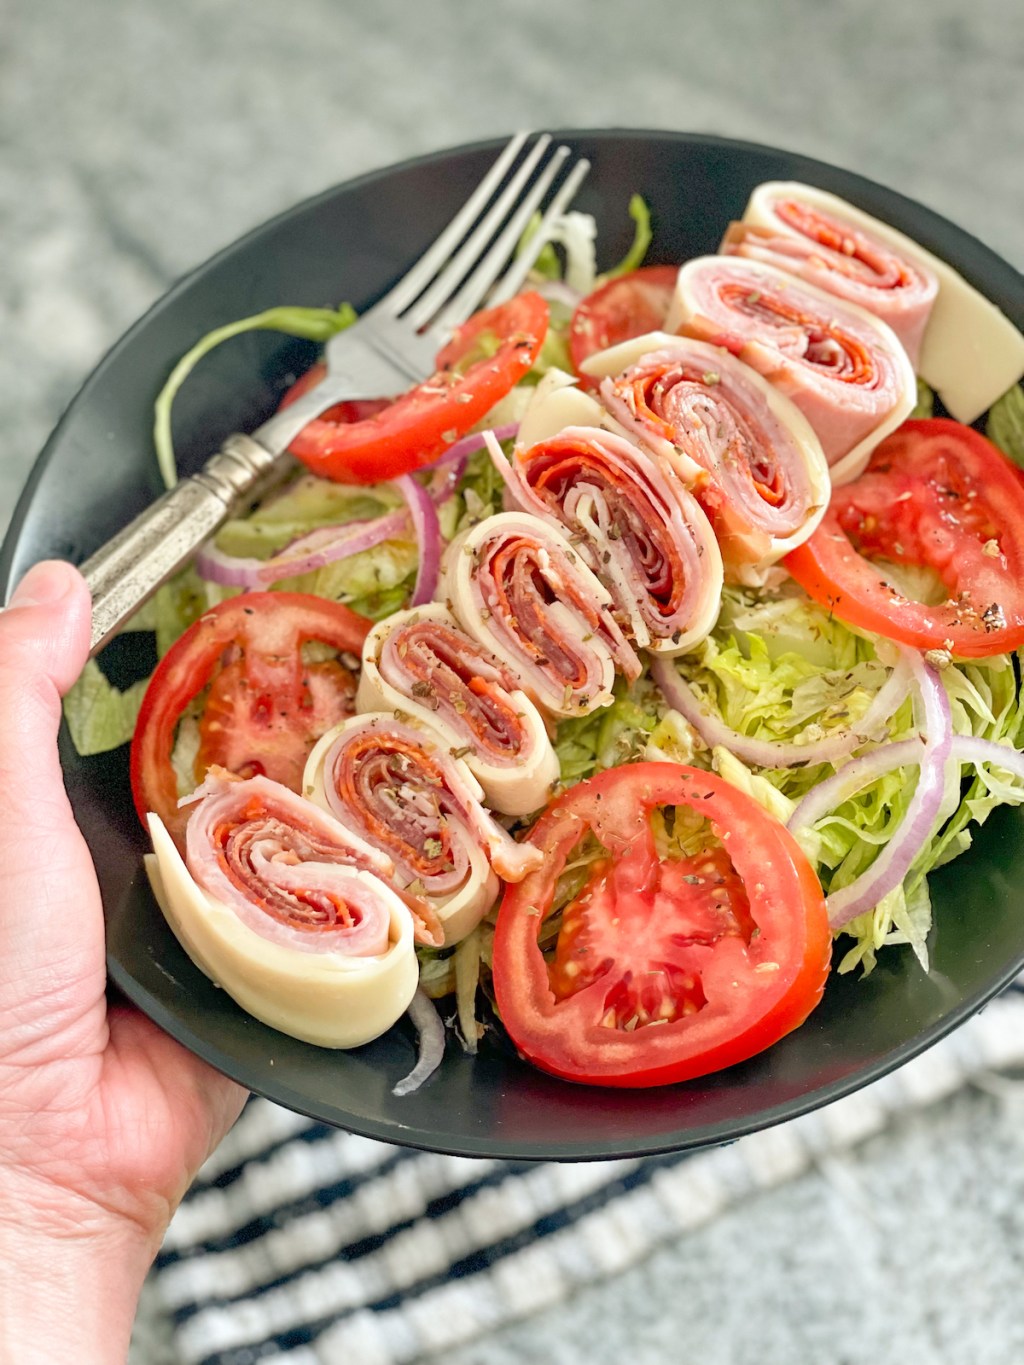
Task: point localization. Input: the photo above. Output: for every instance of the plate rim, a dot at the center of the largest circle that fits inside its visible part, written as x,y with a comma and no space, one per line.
693,1136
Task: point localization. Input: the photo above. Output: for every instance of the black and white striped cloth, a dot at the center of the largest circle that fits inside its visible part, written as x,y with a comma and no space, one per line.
307,1243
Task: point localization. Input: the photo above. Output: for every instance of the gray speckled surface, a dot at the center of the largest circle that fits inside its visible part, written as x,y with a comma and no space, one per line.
136,139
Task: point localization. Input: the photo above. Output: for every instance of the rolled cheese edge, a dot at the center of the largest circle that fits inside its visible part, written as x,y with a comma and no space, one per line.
328,999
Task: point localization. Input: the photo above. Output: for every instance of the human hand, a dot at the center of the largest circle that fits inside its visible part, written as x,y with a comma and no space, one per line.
104,1119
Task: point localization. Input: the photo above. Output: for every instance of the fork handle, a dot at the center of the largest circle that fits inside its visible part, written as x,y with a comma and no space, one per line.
127,571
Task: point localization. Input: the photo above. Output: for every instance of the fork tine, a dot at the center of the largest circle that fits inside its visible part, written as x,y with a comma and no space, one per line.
442,289
415,280
472,293
512,280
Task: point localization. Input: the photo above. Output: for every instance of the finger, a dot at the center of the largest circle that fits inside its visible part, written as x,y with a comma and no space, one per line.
51,922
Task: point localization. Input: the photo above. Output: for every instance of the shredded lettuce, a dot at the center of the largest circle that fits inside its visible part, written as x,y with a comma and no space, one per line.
779,668
1005,424
480,494
302,506
312,324
616,734
375,582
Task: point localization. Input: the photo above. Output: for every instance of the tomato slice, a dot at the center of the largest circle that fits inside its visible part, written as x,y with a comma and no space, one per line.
623,308
665,969
484,360
936,495
266,707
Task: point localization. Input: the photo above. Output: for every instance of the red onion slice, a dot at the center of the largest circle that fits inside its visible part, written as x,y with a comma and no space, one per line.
428,537
311,551
327,544
446,473
427,1023
767,753
895,860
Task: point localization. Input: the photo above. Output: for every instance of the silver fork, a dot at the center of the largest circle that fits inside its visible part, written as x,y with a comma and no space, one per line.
392,346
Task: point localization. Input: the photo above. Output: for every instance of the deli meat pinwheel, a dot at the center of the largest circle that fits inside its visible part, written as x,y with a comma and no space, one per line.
808,233
288,912
520,588
748,453
844,370
958,341
423,662
396,786
636,526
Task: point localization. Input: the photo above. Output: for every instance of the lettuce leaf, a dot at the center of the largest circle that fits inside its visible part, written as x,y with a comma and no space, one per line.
100,717
642,234
925,405
1005,424
375,582
613,735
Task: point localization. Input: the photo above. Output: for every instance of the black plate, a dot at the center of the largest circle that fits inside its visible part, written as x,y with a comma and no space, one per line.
98,470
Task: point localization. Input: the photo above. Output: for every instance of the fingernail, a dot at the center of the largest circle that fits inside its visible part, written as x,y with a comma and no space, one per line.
43,586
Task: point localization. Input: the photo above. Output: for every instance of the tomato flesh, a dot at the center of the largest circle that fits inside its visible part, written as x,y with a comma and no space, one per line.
665,969
623,308
265,707
655,940
935,495
417,427
255,734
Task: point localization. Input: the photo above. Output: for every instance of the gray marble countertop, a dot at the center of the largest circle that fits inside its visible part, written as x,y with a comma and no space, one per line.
137,139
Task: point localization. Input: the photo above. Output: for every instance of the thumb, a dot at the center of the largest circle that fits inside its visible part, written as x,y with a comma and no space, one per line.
50,915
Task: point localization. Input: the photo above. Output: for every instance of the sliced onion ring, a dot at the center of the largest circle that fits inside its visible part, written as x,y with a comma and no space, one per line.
428,537
767,753
311,551
930,753
428,1025
446,472
327,544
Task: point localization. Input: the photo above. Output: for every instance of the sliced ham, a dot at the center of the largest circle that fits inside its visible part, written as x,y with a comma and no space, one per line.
422,662
844,369
291,915
635,525
519,587
747,452
812,234
394,784
960,343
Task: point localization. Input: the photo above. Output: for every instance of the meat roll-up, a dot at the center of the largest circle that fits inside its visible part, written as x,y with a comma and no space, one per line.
423,662
748,453
958,341
636,526
288,912
518,587
844,369
811,234
395,784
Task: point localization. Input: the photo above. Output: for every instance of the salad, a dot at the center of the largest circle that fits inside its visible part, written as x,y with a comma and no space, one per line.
603,686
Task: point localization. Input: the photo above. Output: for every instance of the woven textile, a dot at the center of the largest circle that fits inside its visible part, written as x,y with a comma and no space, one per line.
303,1242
